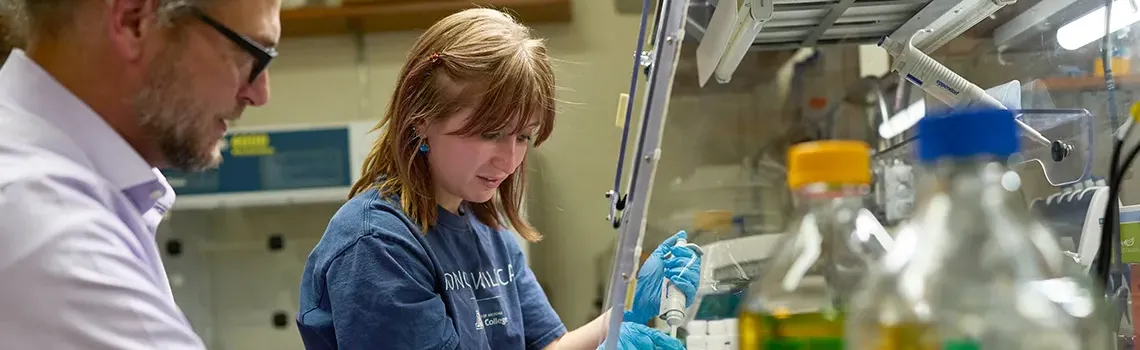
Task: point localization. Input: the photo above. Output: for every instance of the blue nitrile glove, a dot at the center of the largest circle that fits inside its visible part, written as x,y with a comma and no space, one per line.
651,276
639,336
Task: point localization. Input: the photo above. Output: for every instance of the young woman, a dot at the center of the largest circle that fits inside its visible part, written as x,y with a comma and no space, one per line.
421,256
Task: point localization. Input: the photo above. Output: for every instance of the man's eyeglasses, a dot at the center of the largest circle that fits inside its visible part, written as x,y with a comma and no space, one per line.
262,55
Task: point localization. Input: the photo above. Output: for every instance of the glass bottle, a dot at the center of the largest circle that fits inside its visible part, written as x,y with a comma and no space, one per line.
797,301
968,271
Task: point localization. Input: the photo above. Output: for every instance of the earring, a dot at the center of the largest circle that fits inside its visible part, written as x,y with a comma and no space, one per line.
424,148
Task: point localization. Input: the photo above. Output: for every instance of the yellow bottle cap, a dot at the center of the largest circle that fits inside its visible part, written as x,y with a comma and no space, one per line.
833,161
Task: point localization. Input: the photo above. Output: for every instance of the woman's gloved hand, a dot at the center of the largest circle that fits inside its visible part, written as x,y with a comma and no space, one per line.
639,336
651,276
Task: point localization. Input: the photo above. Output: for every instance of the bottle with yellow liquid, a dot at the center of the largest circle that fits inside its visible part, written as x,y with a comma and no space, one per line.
968,271
798,301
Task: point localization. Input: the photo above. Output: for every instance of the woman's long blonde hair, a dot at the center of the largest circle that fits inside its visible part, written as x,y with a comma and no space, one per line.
481,59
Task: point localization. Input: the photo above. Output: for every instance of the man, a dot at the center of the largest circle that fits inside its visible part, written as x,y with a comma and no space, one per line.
107,91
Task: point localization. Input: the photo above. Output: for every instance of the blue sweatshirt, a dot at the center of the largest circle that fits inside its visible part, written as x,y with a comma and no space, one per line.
375,282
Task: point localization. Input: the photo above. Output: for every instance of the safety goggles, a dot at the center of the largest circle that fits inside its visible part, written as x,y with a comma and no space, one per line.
261,55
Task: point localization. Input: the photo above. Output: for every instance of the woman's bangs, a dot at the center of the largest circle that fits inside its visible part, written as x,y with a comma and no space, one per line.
515,101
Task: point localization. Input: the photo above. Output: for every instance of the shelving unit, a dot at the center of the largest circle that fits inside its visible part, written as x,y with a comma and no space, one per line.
799,23
727,29
370,16
399,15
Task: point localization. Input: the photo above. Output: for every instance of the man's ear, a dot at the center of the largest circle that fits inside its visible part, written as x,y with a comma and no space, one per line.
130,24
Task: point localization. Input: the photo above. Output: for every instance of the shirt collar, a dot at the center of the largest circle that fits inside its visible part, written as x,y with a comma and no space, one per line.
162,205
27,86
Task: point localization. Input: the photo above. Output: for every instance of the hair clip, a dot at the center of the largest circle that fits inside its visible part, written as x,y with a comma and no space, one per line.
434,58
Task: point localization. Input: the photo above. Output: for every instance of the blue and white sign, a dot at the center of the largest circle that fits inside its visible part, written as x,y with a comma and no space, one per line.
268,161
268,166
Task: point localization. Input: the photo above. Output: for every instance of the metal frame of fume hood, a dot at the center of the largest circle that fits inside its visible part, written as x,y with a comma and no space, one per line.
807,23
662,59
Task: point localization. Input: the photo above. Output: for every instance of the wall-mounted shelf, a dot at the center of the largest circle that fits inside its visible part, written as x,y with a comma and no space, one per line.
391,15
1088,83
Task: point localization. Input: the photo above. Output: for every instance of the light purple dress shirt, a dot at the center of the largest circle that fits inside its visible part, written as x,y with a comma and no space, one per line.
79,265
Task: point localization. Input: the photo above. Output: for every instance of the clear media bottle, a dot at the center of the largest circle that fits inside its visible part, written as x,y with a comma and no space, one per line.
798,300
968,271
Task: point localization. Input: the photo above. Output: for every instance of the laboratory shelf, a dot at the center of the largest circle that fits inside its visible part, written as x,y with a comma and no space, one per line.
393,15
399,15
806,23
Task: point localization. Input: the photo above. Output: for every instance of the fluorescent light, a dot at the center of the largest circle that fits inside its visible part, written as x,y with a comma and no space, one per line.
729,36
1090,27
745,34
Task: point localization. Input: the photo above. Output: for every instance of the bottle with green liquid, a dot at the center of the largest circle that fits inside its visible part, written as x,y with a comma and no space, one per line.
798,301
972,269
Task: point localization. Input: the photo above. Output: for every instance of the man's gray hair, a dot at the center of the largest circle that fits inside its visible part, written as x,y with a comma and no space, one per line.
47,17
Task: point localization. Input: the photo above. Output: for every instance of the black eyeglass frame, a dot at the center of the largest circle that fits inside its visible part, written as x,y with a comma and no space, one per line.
262,55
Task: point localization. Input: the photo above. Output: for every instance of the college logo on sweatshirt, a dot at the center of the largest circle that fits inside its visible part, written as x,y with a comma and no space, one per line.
478,320
492,319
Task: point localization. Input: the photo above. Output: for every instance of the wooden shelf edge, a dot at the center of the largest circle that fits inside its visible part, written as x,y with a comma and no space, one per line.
412,15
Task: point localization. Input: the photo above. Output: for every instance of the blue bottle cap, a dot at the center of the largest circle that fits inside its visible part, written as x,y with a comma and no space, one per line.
967,134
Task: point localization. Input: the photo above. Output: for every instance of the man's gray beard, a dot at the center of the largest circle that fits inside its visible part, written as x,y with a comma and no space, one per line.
173,120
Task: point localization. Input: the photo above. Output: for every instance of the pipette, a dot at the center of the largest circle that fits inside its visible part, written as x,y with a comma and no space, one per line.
672,300
953,90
